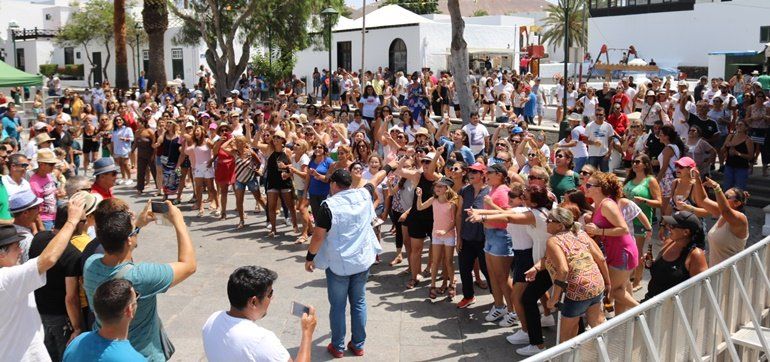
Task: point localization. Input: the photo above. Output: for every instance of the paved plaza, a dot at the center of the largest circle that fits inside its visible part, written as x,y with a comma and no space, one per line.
403,325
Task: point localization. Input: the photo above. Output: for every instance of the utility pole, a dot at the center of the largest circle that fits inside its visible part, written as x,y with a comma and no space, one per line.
363,48
566,58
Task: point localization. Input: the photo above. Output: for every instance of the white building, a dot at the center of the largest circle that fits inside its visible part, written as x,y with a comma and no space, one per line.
26,42
678,32
402,40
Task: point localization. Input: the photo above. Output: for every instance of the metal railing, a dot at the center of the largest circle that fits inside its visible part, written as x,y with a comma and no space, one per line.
709,317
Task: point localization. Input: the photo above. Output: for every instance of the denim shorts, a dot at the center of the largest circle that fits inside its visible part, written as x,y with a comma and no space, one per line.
498,242
252,185
572,308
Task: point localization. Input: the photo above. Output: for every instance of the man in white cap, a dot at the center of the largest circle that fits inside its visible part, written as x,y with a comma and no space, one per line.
21,332
24,207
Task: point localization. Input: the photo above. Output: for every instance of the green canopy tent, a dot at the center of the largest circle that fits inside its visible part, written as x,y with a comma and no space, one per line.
12,77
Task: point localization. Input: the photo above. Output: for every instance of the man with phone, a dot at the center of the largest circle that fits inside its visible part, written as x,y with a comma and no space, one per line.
232,335
118,235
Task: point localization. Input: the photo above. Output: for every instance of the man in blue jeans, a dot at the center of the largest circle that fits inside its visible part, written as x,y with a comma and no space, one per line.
345,245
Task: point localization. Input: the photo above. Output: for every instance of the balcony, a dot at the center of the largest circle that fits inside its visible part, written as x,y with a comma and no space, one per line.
32,34
599,8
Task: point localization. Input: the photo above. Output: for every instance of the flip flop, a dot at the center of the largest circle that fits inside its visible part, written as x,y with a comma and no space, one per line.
432,293
452,291
412,283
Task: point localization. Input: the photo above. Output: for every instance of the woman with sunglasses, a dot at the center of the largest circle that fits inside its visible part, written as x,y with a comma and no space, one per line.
527,227
299,170
609,226
729,234
642,187
122,138
681,256
199,150
224,168
739,151
419,223
633,144
577,268
318,168
278,180
563,178
361,152
401,194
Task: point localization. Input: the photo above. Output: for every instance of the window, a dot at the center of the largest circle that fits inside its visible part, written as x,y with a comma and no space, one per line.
764,34
344,55
177,63
20,59
145,60
397,56
48,16
69,55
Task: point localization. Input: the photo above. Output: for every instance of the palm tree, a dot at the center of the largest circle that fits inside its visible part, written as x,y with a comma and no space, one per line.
121,57
554,23
155,19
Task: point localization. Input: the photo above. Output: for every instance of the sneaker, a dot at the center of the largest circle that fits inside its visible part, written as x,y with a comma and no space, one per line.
357,352
495,313
465,302
548,321
529,350
129,182
287,221
509,320
377,222
334,352
520,337
119,181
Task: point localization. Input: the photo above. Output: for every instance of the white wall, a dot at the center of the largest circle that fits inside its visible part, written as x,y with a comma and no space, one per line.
683,37
716,63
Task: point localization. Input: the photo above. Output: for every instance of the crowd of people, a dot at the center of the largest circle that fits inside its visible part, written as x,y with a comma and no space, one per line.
542,223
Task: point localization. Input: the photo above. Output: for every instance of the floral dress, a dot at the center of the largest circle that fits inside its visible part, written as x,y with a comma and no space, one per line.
417,103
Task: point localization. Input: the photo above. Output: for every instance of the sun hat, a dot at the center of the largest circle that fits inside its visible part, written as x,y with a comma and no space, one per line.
23,200
40,125
281,134
634,116
43,138
574,117
104,165
446,181
422,131
755,72
45,155
90,201
9,235
429,156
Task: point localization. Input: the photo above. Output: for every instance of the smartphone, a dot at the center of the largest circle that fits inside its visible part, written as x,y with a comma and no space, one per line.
298,309
159,207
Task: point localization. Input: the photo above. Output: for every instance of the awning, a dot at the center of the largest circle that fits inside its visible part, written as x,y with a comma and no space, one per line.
12,77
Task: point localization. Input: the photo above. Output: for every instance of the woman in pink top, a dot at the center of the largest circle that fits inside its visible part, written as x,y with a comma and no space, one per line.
199,151
443,237
609,226
498,247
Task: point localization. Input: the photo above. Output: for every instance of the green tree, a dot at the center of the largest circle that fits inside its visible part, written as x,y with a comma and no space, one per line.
89,24
415,6
225,26
555,27
480,12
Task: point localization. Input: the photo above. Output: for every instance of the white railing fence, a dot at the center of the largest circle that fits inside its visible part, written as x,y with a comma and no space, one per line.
714,316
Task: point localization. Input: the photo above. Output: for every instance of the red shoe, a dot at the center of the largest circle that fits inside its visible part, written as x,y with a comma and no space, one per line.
334,352
357,352
465,302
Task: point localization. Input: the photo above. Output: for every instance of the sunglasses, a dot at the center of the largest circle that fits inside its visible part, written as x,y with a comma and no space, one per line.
425,162
501,144
636,162
585,173
456,169
318,147
535,177
135,232
504,160
22,165
559,155
357,168
550,220
692,131
589,185
515,142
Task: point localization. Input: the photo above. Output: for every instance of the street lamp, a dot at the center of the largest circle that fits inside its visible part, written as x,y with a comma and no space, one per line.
328,14
137,28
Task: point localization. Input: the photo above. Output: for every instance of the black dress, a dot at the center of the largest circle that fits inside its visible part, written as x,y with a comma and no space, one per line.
275,181
420,222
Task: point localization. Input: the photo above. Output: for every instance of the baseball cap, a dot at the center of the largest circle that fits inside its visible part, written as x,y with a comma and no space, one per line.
498,168
686,162
684,220
446,181
478,167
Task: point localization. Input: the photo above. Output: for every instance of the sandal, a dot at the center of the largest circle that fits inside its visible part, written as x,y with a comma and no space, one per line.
412,283
240,225
452,291
301,240
481,284
442,290
200,213
432,293
271,234
397,260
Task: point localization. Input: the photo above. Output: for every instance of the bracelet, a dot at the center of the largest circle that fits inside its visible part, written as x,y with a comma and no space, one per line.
310,256
75,225
718,189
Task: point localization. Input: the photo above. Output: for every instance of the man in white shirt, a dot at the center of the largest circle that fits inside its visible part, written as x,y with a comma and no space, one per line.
631,93
505,87
401,86
599,133
478,135
15,180
232,335
21,330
